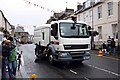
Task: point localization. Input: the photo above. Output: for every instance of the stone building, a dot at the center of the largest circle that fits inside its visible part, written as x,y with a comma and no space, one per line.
4,23
21,35
61,16
102,16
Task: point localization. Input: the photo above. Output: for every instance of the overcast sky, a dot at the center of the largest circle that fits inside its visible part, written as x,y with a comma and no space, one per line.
22,13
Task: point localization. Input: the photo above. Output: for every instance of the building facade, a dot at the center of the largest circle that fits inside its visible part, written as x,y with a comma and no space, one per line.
21,35
102,16
5,24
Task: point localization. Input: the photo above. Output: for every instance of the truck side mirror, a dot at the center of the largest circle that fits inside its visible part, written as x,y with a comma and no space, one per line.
73,27
89,28
90,33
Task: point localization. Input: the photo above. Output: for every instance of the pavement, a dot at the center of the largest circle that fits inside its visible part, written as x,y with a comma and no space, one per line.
116,55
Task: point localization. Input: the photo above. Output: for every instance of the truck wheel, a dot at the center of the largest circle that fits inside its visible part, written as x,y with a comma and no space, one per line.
51,58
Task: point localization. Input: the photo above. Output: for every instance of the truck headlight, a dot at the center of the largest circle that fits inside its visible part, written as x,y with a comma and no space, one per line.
63,54
89,46
87,52
86,57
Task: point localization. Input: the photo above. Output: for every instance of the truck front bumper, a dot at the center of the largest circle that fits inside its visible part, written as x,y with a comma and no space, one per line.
72,56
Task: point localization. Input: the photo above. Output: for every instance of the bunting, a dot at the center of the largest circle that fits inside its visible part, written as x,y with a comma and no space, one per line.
36,5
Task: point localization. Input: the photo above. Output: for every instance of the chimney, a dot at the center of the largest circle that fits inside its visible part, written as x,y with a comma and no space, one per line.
79,6
84,5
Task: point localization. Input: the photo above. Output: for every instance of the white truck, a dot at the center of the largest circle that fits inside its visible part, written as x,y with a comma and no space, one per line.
63,40
1,37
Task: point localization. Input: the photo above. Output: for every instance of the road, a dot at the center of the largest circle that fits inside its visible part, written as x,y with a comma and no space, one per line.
96,67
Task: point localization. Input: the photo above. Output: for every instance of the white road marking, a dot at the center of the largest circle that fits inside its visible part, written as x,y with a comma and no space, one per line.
105,70
86,78
73,71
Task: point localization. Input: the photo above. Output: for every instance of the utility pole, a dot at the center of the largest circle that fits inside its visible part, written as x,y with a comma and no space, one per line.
66,5
118,26
92,36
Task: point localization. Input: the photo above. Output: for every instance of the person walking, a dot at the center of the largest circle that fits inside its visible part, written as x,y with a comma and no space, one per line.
5,54
12,61
19,60
108,44
113,46
104,47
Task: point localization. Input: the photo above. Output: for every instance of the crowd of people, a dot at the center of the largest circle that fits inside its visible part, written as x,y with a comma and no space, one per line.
109,48
9,58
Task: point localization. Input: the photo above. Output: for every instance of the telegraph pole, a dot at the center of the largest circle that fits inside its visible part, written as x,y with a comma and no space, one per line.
118,26
92,36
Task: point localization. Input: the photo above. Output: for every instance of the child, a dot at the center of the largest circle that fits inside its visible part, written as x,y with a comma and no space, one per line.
104,47
19,60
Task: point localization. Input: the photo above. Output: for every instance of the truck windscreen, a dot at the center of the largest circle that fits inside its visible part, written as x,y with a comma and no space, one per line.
80,30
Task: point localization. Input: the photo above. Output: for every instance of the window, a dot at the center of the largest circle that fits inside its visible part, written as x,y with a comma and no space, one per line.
42,35
99,12
110,8
90,15
84,17
78,17
115,31
100,32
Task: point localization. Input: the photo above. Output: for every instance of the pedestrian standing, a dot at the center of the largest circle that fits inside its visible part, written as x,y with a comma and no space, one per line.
108,44
104,47
113,46
19,60
12,60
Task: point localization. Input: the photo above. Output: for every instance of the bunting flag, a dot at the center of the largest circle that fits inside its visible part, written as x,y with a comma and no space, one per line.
44,8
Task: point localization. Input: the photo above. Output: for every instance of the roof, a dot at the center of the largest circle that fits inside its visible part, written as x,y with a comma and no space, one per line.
4,17
43,26
71,21
84,9
19,29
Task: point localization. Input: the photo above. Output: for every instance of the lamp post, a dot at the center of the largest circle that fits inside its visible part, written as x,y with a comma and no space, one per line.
92,36
118,26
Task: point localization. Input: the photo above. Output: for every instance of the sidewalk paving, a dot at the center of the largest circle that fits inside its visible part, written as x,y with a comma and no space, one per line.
117,54
18,74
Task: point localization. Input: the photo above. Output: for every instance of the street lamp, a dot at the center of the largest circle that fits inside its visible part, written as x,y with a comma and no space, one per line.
118,26
92,36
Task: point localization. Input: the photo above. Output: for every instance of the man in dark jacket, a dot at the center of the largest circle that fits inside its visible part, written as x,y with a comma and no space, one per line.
5,54
113,46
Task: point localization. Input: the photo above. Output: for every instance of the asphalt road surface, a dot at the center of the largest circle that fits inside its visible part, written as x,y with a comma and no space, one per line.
96,67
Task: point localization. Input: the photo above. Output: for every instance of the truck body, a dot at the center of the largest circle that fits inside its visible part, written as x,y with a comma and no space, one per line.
1,37
63,40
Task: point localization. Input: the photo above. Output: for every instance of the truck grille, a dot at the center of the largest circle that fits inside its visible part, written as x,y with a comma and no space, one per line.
85,46
77,55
